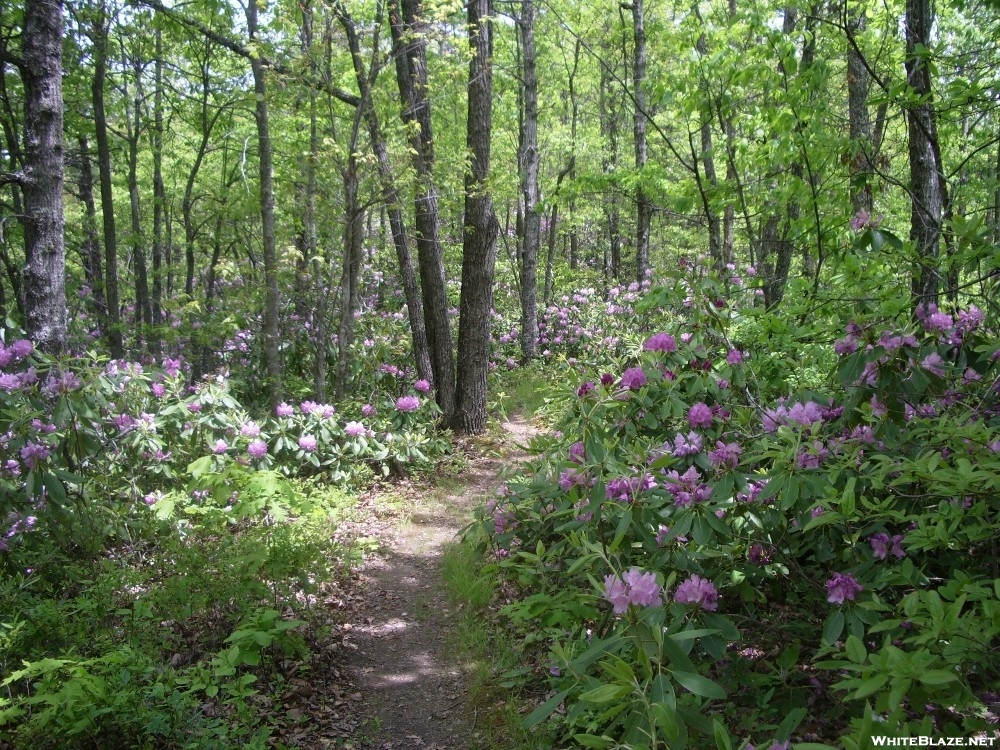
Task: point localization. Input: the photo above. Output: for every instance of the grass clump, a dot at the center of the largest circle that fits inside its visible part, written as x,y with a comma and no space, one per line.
479,639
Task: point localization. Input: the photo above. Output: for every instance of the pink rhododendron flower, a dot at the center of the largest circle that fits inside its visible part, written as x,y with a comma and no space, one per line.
881,543
842,587
307,443
257,449
700,415
634,587
422,386
284,410
660,342
407,403
633,378
354,429
699,591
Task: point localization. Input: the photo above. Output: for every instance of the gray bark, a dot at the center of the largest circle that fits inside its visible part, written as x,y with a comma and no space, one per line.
479,249
529,160
410,52
926,178
44,273
272,353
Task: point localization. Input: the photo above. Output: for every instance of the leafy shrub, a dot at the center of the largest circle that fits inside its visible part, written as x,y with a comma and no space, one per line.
866,505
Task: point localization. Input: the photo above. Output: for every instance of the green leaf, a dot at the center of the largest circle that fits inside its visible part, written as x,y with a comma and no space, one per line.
592,740
605,694
870,686
722,739
937,677
545,710
855,650
665,717
833,627
700,685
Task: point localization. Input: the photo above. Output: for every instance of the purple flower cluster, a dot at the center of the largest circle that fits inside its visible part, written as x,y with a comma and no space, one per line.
407,403
684,445
660,342
633,379
631,588
801,414
627,489
688,488
698,591
726,455
700,416
882,544
842,587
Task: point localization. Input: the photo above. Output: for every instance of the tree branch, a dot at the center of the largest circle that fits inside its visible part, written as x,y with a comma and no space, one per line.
245,52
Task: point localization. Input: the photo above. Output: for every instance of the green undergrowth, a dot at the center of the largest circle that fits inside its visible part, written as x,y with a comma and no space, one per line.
178,639
479,639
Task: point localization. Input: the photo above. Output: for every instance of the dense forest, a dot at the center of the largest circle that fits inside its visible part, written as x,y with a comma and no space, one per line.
743,256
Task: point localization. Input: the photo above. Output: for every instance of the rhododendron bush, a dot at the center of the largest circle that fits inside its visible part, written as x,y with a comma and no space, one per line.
692,556
88,446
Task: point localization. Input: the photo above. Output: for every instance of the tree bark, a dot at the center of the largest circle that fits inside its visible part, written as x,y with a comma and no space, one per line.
44,273
529,160
410,52
143,309
90,248
609,163
100,41
391,199
927,196
272,352
479,250
859,120
644,206
159,196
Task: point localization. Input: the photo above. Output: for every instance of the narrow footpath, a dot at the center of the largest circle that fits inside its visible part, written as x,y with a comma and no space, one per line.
396,646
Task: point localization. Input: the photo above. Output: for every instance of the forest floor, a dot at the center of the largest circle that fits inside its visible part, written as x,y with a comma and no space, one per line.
392,679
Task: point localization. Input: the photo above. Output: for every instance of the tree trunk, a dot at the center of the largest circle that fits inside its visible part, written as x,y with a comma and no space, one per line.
114,327
90,248
709,187
309,241
859,120
143,310
529,209
609,163
479,250
272,353
44,272
159,197
410,52
353,258
391,201
926,176
644,206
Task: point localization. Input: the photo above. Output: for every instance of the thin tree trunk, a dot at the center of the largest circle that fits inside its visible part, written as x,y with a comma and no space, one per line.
159,196
114,327
644,206
391,199
143,310
90,248
410,52
926,182
44,272
529,159
479,250
609,163
272,353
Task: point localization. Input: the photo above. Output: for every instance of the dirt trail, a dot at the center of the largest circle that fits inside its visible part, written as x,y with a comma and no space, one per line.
397,651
